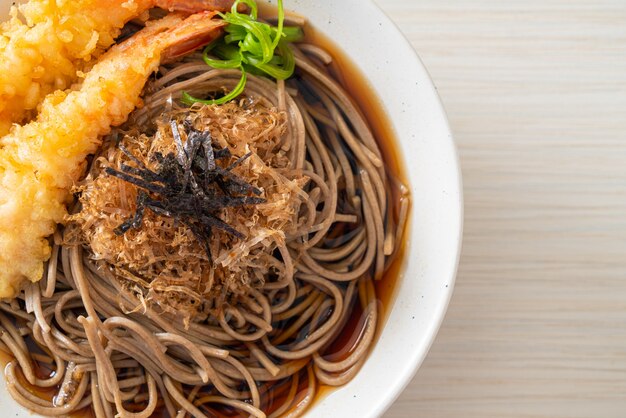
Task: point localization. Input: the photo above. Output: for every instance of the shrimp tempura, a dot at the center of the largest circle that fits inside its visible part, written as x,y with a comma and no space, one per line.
47,42
42,160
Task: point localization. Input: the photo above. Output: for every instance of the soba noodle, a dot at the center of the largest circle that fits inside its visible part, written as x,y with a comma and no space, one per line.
261,356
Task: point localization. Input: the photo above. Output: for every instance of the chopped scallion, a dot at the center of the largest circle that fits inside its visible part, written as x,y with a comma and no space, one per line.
251,46
189,99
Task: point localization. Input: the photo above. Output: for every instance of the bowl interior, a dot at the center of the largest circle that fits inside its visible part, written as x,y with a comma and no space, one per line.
407,95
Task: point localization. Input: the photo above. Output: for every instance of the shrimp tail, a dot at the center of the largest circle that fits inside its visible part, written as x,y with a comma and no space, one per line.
199,29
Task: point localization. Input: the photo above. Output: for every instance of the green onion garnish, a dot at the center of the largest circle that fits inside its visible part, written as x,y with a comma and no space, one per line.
251,46
189,99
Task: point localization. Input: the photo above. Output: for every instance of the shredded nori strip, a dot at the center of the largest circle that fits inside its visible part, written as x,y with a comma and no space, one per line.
188,186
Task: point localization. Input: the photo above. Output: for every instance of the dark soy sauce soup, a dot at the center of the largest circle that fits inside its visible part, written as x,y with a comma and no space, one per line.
354,82
274,393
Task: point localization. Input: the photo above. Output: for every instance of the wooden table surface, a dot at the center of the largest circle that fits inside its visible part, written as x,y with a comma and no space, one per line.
536,95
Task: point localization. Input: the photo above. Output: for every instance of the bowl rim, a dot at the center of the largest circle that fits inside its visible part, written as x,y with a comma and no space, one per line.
403,381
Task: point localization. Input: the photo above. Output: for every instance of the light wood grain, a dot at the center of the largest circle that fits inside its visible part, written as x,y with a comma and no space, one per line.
536,96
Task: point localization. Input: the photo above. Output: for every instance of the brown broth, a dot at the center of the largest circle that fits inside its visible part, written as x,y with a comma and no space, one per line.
41,372
355,83
360,90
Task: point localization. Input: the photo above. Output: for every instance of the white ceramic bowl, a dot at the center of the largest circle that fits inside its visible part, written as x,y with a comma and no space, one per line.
397,76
